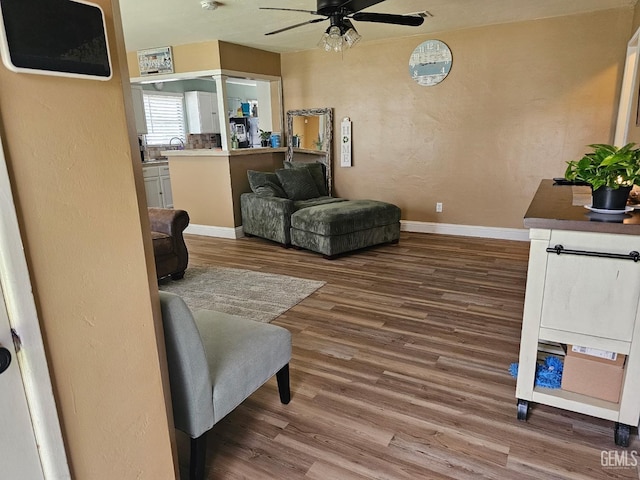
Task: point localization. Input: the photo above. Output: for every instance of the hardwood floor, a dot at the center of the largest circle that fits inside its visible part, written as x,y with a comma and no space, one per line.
400,371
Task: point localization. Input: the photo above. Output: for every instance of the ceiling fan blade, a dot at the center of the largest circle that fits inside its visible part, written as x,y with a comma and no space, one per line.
313,12
315,20
408,20
357,5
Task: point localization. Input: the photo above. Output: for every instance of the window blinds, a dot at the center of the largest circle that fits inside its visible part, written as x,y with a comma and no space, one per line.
165,117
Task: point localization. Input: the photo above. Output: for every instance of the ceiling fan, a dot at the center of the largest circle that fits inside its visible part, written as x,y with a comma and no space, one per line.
341,32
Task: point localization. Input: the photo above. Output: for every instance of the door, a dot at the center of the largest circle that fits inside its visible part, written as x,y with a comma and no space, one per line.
19,455
167,195
24,423
153,192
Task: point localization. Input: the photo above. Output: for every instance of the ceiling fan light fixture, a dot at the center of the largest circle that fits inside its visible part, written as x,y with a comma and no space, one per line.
209,5
351,37
331,40
334,33
337,39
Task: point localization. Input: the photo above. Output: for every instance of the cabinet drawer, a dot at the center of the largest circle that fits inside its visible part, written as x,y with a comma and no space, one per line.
592,295
599,242
150,172
164,170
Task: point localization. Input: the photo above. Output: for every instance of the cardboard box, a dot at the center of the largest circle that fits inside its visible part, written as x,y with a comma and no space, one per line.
591,374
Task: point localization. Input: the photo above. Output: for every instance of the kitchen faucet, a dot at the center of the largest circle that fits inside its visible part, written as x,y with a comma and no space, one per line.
181,146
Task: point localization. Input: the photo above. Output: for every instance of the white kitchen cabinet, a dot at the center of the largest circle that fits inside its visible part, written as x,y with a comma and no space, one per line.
202,112
157,185
165,187
138,109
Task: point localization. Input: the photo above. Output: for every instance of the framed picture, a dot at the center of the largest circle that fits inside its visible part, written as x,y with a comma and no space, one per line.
154,61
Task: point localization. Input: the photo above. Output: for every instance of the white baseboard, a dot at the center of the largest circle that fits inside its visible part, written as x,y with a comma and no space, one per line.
405,225
519,234
209,231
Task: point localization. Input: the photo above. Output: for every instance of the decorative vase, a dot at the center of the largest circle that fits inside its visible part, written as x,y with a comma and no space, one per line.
607,198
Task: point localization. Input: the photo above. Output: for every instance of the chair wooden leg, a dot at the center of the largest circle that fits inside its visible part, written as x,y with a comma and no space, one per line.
283,384
198,457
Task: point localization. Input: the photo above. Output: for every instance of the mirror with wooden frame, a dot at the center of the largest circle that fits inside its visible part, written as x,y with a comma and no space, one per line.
309,134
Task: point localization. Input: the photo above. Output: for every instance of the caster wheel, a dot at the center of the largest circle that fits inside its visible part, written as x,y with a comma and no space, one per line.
523,410
621,435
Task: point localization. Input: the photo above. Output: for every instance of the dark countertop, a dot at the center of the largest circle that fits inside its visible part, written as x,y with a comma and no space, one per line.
552,208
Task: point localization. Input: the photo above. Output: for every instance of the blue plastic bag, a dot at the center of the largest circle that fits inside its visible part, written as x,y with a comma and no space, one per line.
548,373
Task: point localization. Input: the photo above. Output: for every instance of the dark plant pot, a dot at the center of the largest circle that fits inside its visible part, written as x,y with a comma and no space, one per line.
608,198
265,143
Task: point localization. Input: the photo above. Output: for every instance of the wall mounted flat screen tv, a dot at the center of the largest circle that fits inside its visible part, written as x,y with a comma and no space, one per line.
54,37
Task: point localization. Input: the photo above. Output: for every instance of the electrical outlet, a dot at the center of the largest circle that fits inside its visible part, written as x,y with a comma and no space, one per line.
439,207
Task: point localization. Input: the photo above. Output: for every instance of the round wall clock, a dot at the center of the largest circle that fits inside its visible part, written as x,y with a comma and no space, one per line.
430,63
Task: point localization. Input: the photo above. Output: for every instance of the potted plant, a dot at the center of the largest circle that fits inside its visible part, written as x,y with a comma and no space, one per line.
611,172
234,141
265,138
319,143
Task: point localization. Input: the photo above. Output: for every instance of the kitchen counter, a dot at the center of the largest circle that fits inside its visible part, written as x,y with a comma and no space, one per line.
155,162
561,207
216,152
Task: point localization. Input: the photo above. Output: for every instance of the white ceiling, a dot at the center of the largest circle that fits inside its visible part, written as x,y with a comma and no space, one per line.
158,23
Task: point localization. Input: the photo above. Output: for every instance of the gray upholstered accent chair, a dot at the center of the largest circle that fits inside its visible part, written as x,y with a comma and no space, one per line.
215,362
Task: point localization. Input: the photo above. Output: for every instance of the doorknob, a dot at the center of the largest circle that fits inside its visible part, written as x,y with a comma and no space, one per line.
5,359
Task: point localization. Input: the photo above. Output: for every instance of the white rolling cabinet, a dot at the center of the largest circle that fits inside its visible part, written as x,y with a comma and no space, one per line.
138,109
583,288
157,185
202,112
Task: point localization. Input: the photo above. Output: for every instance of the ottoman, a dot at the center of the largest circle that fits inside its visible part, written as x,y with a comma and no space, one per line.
336,228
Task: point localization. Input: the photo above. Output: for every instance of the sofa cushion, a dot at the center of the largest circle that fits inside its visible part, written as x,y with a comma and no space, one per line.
297,183
312,202
345,217
265,184
318,172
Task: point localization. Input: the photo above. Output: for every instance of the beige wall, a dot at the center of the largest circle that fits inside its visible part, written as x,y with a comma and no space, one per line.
77,183
214,55
521,100
192,57
250,60
209,187
202,187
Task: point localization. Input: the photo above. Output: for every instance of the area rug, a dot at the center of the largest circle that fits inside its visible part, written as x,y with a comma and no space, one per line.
256,295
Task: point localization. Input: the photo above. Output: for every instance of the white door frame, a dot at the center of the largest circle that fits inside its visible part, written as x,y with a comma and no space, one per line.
23,318
628,91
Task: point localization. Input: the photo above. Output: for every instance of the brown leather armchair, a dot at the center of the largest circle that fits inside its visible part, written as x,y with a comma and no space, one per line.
169,249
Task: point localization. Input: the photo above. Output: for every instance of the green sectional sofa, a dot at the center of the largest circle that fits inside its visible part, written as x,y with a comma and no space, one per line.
332,229
292,206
